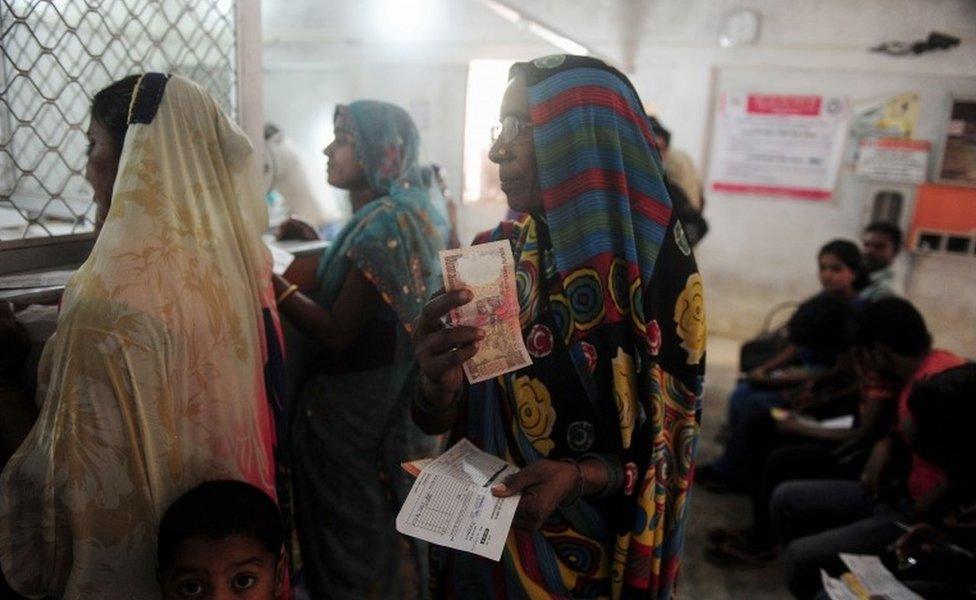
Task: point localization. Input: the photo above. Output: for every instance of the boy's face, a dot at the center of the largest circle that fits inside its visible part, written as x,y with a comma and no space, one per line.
234,567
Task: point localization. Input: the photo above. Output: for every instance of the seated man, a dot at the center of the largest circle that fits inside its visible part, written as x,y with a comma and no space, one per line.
222,539
820,518
881,243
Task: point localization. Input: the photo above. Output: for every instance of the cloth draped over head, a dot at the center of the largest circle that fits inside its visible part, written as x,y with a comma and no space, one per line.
609,291
387,144
394,239
155,378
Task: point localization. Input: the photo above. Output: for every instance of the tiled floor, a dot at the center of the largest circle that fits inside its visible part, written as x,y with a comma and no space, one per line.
700,579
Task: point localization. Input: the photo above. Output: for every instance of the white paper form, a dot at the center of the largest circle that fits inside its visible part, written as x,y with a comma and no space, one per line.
835,588
451,504
842,422
282,259
876,579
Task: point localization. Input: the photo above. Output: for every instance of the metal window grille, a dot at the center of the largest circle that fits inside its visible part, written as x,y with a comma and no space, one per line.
54,56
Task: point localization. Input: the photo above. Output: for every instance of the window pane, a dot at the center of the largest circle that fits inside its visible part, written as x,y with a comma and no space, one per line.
54,56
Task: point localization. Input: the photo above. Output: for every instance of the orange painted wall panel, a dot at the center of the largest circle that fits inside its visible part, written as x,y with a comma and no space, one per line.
944,208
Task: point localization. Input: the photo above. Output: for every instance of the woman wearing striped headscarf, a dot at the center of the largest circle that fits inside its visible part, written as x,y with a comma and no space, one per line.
603,423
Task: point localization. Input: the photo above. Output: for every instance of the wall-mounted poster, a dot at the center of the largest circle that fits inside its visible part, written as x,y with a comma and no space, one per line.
779,145
959,152
890,117
893,159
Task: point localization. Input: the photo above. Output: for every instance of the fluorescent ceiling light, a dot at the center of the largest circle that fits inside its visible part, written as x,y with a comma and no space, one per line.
403,18
560,41
520,19
509,14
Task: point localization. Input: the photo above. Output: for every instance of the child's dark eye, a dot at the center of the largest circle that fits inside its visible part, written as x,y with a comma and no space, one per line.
245,581
190,589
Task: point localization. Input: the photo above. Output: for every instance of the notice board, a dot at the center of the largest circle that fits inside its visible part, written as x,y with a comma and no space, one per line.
851,91
781,145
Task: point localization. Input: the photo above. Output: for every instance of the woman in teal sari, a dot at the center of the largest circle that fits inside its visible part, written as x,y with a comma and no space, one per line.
350,428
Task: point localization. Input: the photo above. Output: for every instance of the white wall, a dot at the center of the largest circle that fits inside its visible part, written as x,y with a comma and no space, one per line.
759,251
784,235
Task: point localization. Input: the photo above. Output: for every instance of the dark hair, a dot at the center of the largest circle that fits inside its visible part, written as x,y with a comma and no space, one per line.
943,410
849,254
824,325
895,323
110,107
659,130
215,510
885,228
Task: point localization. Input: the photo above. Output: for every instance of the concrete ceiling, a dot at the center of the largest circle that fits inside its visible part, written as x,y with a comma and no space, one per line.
463,22
617,28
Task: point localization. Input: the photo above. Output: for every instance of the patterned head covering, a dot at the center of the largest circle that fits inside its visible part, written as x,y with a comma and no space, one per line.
606,206
387,144
394,239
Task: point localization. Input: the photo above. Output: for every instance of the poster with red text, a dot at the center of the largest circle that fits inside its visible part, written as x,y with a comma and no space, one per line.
778,145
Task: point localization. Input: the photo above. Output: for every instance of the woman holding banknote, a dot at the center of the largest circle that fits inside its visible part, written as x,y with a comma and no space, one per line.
603,423
350,424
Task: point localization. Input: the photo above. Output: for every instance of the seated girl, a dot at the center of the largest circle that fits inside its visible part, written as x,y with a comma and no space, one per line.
818,334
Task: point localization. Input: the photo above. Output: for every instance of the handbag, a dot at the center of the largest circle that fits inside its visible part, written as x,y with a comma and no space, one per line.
770,342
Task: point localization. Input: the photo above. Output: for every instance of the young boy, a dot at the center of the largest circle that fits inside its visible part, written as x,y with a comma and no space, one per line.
222,539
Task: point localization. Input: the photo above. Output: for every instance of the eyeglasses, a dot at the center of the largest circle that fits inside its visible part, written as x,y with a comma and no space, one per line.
508,130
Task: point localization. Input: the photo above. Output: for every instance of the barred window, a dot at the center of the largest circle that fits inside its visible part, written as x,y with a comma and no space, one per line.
54,56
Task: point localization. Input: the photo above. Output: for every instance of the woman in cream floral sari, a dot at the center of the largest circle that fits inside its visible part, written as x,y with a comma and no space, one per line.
156,378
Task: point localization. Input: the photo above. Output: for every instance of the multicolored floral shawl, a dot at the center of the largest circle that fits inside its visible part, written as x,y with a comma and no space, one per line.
609,292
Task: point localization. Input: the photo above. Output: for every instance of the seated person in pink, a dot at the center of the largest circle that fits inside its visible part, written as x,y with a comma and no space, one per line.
820,518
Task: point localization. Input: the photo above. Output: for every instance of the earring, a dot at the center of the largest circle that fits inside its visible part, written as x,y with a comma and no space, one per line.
503,152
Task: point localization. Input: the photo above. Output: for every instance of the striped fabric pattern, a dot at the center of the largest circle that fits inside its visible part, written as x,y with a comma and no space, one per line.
600,172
